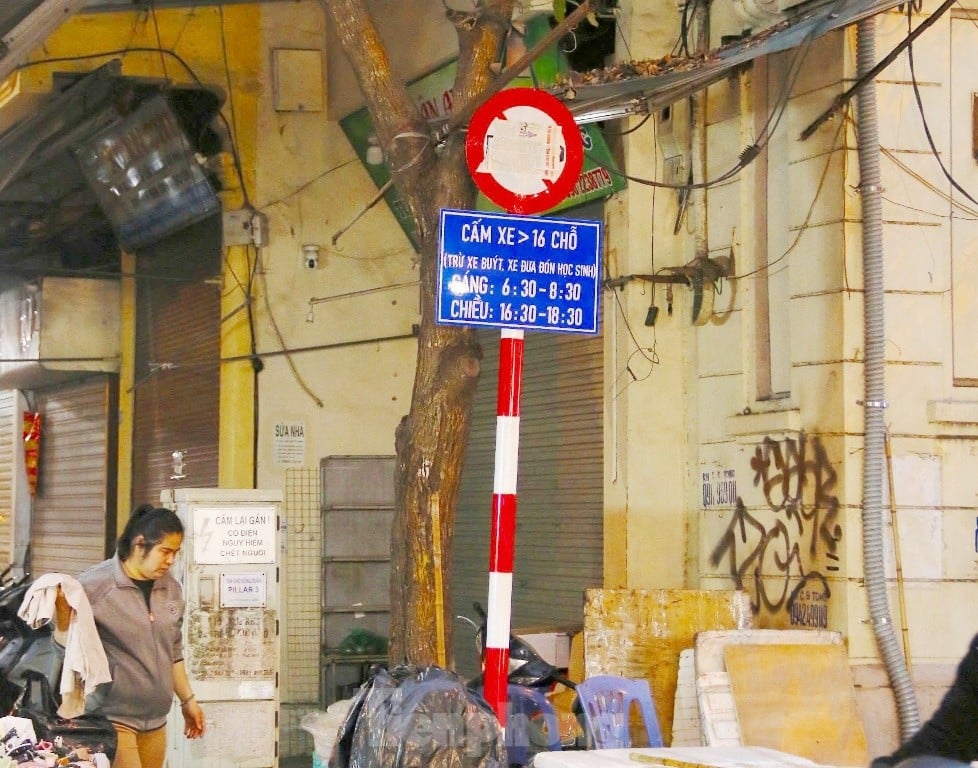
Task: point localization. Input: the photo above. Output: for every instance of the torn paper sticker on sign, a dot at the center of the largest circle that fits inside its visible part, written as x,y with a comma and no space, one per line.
519,146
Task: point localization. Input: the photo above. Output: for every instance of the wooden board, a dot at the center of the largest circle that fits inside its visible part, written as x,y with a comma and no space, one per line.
798,699
711,643
640,633
718,713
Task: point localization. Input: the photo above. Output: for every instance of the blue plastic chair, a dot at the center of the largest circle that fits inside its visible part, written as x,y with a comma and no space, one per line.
606,701
523,740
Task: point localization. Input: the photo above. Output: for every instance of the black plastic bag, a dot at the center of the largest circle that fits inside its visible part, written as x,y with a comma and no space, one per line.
414,717
37,704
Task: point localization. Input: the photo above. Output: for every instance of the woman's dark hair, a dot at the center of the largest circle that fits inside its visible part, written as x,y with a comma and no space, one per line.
152,523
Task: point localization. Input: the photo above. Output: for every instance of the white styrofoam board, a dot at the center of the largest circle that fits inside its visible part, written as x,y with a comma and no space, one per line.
686,714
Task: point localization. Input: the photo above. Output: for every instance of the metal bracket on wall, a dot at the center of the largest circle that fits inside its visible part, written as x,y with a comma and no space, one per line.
244,226
701,275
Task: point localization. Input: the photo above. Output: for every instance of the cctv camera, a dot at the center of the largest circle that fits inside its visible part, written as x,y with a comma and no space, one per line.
310,256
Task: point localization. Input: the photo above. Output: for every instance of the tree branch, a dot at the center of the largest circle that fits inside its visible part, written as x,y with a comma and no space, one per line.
462,115
403,132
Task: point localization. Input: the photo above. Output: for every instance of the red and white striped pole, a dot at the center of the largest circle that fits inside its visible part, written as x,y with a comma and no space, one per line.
502,535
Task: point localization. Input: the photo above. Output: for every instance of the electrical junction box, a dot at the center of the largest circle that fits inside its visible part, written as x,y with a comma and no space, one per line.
244,226
229,566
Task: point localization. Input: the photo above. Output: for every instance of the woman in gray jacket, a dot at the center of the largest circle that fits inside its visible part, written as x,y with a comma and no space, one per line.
138,609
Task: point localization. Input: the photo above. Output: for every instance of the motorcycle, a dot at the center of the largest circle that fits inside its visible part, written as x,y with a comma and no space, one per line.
529,669
526,666
16,637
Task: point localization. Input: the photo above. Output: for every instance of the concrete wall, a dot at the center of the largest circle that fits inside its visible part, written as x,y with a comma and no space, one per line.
350,381
647,423
347,385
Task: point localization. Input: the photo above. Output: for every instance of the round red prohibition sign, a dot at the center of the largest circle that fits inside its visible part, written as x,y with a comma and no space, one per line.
524,150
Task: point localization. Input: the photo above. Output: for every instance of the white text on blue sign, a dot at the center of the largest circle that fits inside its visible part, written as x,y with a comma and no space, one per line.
504,270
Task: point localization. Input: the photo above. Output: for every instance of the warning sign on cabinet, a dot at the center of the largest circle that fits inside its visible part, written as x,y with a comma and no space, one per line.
243,590
228,534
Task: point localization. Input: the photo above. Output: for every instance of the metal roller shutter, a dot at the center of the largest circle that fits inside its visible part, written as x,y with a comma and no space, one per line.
559,538
9,419
177,395
76,477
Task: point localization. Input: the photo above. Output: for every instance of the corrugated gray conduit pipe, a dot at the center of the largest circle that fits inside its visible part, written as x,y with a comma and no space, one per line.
874,404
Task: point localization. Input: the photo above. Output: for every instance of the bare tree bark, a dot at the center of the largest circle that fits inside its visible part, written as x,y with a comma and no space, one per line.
430,441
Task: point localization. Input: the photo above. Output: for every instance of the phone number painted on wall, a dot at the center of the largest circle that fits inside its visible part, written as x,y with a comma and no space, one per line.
504,270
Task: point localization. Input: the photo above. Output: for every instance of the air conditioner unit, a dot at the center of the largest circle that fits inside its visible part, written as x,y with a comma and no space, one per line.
56,329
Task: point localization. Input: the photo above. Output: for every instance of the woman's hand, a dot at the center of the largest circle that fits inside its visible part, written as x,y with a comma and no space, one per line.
193,719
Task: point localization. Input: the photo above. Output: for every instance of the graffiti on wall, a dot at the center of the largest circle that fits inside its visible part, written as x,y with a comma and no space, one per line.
782,561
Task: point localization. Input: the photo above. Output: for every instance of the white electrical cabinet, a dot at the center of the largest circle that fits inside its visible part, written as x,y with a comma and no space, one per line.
229,568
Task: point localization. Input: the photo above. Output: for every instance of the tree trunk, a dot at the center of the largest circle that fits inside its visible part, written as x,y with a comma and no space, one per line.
430,441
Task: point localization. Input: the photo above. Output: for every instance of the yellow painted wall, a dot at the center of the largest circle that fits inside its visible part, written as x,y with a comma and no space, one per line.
348,380
218,48
339,369
798,461
646,526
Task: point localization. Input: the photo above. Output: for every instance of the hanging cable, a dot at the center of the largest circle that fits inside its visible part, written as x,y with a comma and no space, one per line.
281,341
923,118
851,91
627,131
749,153
747,156
233,128
648,353
159,41
191,13
305,185
955,203
682,44
808,216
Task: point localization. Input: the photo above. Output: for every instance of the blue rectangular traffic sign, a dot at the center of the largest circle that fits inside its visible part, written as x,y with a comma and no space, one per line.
501,270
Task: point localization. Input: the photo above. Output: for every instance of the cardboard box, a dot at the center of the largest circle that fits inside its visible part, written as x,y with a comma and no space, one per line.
553,647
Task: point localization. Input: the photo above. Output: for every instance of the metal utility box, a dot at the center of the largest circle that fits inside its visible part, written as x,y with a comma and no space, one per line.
56,329
358,509
229,567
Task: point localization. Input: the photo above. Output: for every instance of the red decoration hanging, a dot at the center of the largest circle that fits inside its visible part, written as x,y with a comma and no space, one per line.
32,447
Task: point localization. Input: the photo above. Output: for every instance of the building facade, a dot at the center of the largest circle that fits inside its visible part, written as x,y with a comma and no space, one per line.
730,446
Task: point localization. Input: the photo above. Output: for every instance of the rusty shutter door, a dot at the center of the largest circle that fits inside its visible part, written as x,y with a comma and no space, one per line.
76,476
177,393
560,491
9,443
